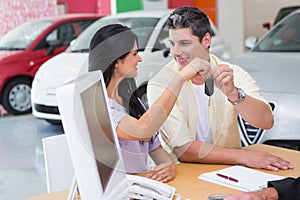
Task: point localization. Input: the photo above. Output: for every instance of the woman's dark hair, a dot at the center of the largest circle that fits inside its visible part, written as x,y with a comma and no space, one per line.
190,17
110,43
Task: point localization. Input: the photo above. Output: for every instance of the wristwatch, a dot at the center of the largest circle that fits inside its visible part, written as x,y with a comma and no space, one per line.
241,98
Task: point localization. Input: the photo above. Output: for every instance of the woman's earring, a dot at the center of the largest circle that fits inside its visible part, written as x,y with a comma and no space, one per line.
208,47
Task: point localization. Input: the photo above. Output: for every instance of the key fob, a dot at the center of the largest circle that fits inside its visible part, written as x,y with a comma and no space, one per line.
209,86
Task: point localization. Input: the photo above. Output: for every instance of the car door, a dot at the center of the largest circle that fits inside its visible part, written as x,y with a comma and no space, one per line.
55,42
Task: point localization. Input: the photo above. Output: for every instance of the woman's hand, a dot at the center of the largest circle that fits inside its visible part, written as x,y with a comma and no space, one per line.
196,66
163,172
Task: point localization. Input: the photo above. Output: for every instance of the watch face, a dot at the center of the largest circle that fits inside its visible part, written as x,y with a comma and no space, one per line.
241,93
242,96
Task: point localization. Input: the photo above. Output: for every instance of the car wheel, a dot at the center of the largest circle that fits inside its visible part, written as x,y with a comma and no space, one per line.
16,96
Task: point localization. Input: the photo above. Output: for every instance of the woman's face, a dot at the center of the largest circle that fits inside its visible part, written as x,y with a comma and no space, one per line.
127,67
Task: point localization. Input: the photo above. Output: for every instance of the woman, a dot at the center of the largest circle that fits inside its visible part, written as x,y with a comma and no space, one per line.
114,50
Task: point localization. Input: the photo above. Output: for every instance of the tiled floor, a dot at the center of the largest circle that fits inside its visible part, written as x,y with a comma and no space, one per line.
22,168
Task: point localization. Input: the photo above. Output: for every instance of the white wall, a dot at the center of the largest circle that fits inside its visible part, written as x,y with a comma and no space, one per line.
155,4
239,19
230,19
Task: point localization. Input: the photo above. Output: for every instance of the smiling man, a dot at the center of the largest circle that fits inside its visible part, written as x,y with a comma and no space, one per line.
203,128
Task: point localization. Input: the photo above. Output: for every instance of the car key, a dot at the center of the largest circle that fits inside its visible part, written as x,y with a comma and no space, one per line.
209,86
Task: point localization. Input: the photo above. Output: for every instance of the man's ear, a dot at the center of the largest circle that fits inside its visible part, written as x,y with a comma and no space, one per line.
206,41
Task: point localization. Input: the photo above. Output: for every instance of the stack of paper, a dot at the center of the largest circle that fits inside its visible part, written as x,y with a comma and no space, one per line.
240,178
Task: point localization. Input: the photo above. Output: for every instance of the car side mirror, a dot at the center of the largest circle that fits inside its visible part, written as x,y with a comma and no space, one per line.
267,25
250,42
52,45
166,52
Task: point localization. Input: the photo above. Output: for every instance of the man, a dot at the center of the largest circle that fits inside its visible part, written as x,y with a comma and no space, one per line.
203,128
285,189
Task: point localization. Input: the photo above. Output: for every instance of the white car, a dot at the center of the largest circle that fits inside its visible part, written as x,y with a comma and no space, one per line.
153,43
274,62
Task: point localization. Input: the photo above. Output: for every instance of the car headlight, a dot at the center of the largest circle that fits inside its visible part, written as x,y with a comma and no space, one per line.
37,77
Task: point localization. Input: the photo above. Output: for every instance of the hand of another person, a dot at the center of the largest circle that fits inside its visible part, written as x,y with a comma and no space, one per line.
196,66
265,194
264,160
223,76
244,196
2,111
163,172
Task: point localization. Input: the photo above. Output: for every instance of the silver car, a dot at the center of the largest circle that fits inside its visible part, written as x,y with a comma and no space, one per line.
274,62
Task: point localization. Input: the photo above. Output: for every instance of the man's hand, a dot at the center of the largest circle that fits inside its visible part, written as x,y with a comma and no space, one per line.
264,160
223,76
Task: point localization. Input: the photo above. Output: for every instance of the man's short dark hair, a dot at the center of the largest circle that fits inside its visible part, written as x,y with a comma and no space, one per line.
190,17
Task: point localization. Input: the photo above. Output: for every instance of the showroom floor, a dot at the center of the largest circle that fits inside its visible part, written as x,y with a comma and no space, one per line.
22,168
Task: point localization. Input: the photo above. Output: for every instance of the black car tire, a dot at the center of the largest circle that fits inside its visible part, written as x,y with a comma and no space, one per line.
16,96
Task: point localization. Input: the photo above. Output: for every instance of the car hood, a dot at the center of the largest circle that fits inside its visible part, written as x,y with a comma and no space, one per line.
6,56
63,68
273,72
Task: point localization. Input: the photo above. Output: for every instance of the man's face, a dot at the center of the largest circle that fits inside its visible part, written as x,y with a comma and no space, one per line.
185,46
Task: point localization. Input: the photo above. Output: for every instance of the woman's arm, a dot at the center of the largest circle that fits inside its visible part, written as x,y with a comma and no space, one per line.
165,169
130,128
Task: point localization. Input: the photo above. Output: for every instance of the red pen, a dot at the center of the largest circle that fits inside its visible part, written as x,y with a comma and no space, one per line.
228,177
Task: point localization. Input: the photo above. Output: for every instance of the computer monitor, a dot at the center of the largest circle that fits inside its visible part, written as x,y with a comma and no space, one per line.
94,148
95,152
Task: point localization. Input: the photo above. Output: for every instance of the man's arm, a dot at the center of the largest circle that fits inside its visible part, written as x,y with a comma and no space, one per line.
208,153
254,109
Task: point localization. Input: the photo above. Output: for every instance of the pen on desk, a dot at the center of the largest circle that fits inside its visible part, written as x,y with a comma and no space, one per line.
228,177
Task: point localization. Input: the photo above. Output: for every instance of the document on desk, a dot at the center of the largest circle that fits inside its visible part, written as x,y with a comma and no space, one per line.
240,178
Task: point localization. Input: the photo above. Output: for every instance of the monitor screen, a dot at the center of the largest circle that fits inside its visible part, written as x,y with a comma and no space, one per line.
100,130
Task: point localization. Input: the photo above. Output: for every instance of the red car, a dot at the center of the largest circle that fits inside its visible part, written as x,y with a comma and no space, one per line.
24,49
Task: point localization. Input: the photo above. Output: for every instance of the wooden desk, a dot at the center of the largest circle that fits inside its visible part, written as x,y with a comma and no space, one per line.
190,187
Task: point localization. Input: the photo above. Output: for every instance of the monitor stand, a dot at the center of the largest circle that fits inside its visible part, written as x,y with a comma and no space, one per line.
74,191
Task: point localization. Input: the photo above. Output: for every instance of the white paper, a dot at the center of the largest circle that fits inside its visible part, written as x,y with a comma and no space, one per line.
248,179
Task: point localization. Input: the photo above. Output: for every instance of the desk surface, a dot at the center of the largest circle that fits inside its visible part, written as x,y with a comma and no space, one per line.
190,187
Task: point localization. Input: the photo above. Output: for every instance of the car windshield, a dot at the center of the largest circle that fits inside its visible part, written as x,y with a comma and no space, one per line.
22,36
285,37
142,27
